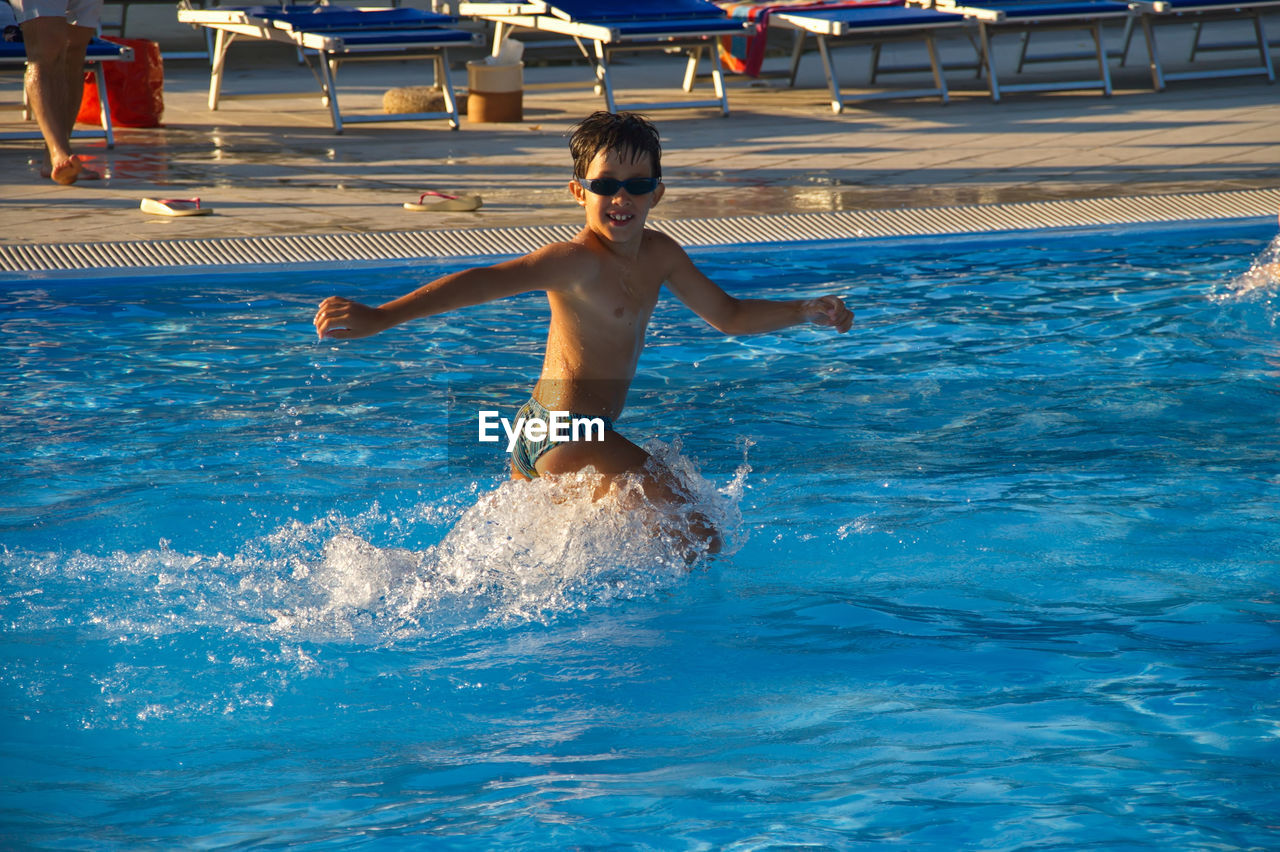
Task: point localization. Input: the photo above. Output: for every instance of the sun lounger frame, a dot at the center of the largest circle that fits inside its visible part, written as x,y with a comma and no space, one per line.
996,18
119,27
1198,46
609,37
1162,12
830,27
98,52
333,46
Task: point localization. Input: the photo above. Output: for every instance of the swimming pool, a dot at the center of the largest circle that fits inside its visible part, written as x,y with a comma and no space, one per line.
1002,573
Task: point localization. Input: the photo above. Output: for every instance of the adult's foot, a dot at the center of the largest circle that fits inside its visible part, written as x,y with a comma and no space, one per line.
69,171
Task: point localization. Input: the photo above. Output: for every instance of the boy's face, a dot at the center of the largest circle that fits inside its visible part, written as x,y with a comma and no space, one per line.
619,216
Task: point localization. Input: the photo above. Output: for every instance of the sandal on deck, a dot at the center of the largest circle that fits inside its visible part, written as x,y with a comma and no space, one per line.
174,207
445,203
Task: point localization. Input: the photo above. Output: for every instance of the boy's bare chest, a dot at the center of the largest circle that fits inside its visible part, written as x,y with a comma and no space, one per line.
631,295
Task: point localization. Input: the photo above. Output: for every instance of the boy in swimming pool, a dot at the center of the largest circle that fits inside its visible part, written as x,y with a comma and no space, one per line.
602,287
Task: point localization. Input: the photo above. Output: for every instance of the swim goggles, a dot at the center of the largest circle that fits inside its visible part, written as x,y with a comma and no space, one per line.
610,186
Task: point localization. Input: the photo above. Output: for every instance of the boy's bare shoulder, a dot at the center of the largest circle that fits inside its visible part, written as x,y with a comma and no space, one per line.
658,241
566,251
663,251
561,262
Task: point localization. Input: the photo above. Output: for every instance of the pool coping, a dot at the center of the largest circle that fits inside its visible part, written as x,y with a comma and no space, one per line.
142,257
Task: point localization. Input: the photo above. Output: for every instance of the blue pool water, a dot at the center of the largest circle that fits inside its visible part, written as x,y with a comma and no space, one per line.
1002,572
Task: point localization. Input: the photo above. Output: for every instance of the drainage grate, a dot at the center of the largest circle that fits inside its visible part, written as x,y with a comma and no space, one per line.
138,257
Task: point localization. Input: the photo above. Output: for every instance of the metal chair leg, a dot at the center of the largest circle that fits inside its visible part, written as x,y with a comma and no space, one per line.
990,59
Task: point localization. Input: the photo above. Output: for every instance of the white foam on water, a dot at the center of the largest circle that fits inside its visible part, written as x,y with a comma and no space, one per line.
174,633
529,550
524,551
1260,281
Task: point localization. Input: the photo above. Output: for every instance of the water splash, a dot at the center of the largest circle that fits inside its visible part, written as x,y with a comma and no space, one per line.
1260,282
524,551
172,634
529,551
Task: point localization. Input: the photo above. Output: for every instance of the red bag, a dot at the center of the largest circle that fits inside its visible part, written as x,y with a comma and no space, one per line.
135,89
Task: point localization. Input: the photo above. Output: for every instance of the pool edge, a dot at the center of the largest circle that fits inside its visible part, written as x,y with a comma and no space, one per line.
141,257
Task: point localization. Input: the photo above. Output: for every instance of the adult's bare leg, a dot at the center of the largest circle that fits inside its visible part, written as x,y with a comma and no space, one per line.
77,45
54,83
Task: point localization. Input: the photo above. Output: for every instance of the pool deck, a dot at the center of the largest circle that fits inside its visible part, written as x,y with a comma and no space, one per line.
269,163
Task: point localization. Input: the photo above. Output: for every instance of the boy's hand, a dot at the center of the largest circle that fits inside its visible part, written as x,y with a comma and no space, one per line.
829,310
342,318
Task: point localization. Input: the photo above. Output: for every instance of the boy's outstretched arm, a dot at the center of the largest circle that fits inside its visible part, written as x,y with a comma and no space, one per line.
749,316
545,269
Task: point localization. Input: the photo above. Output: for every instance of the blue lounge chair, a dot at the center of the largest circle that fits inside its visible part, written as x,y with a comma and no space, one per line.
337,34
614,26
875,25
1162,12
1025,16
14,55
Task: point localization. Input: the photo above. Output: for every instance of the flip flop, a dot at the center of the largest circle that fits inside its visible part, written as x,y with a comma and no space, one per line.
174,207
445,203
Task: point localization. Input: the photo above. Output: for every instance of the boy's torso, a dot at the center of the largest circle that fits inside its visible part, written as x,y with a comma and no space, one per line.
598,325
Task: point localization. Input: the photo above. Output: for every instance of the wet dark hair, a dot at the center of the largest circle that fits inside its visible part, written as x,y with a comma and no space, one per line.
628,133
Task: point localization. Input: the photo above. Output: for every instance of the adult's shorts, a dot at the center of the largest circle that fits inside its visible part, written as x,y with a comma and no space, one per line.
80,13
